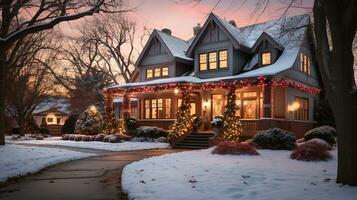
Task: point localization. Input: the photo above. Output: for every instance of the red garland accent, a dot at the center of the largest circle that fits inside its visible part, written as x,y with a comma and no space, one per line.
217,85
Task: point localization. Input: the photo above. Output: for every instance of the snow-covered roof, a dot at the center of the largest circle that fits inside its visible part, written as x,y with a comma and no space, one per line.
59,103
176,46
120,99
282,64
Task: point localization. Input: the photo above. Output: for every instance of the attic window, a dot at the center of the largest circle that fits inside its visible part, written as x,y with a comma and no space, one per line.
165,71
305,64
157,72
266,58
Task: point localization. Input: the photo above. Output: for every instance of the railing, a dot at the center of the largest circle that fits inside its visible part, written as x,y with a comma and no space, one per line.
249,126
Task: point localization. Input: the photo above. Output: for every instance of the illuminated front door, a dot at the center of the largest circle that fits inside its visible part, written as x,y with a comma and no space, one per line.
217,105
249,109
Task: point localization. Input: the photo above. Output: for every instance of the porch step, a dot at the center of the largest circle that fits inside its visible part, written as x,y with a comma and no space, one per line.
198,140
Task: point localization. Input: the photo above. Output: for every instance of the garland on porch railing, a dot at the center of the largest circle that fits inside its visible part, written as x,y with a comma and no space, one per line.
280,82
183,123
232,127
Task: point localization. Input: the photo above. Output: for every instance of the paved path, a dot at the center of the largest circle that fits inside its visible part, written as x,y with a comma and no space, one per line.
96,178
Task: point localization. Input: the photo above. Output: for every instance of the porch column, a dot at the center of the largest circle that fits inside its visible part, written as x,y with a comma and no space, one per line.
126,106
109,111
267,94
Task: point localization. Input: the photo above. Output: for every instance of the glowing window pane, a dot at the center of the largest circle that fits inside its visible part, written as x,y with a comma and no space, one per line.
157,72
203,62
165,71
223,59
149,73
266,58
212,60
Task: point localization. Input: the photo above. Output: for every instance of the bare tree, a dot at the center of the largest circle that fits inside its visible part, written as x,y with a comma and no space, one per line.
114,36
335,28
20,18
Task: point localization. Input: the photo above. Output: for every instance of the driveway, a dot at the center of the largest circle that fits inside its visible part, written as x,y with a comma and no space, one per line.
91,178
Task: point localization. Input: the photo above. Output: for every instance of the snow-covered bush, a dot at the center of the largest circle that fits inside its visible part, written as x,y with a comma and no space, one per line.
65,137
99,137
150,132
118,138
275,138
312,150
78,138
87,138
326,133
217,122
228,147
44,129
90,122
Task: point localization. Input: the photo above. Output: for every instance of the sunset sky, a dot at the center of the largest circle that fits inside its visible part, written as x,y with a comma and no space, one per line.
181,17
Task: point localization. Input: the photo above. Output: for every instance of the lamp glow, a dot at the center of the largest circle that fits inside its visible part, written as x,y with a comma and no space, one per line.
294,106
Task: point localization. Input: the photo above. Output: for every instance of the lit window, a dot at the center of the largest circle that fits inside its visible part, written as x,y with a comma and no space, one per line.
157,72
160,109
212,60
305,63
266,58
249,94
147,109
149,73
49,119
165,71
203,62
223,59
167,108
302,111
153,108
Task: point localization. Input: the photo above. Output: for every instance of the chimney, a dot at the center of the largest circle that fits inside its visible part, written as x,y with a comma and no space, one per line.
167,31
196,29
233,23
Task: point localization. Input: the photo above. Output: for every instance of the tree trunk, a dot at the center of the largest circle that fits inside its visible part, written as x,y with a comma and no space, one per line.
346,123
2,95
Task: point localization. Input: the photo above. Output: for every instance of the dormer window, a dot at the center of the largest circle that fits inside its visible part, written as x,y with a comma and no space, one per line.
223,59
212,60
266,58
165,71
203,62
157,72
148,73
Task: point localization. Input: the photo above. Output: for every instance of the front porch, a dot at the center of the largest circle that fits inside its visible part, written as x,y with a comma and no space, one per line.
262,104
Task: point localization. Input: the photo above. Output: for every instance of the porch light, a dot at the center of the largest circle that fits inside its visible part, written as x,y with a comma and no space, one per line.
93,108
294,106
206,103
176,91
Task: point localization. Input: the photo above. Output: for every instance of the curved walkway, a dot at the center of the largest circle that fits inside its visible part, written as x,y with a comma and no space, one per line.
95,178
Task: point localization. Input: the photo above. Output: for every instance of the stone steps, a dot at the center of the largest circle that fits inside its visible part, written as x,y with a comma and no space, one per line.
199,140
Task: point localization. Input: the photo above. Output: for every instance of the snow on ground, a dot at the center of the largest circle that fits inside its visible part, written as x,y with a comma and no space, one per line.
17,160
202,175
123,146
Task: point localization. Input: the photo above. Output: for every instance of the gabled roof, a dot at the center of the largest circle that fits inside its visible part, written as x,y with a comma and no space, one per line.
176,46
283,32
61,104
266,36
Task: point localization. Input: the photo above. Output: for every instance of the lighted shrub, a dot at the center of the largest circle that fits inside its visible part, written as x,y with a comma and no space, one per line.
150,132
276,139
326,133
234,148
196,121
311,151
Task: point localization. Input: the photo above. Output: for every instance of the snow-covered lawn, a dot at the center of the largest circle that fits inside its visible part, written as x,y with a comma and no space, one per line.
201,175
124,146
17,160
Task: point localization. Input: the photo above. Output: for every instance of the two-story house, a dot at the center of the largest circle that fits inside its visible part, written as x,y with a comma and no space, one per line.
271,63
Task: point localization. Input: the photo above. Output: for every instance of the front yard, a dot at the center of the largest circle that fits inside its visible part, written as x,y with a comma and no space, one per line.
122,146
202,175
17,160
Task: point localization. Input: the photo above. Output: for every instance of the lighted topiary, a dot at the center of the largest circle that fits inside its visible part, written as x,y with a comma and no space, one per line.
232,127
110,121
183,123
90,122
